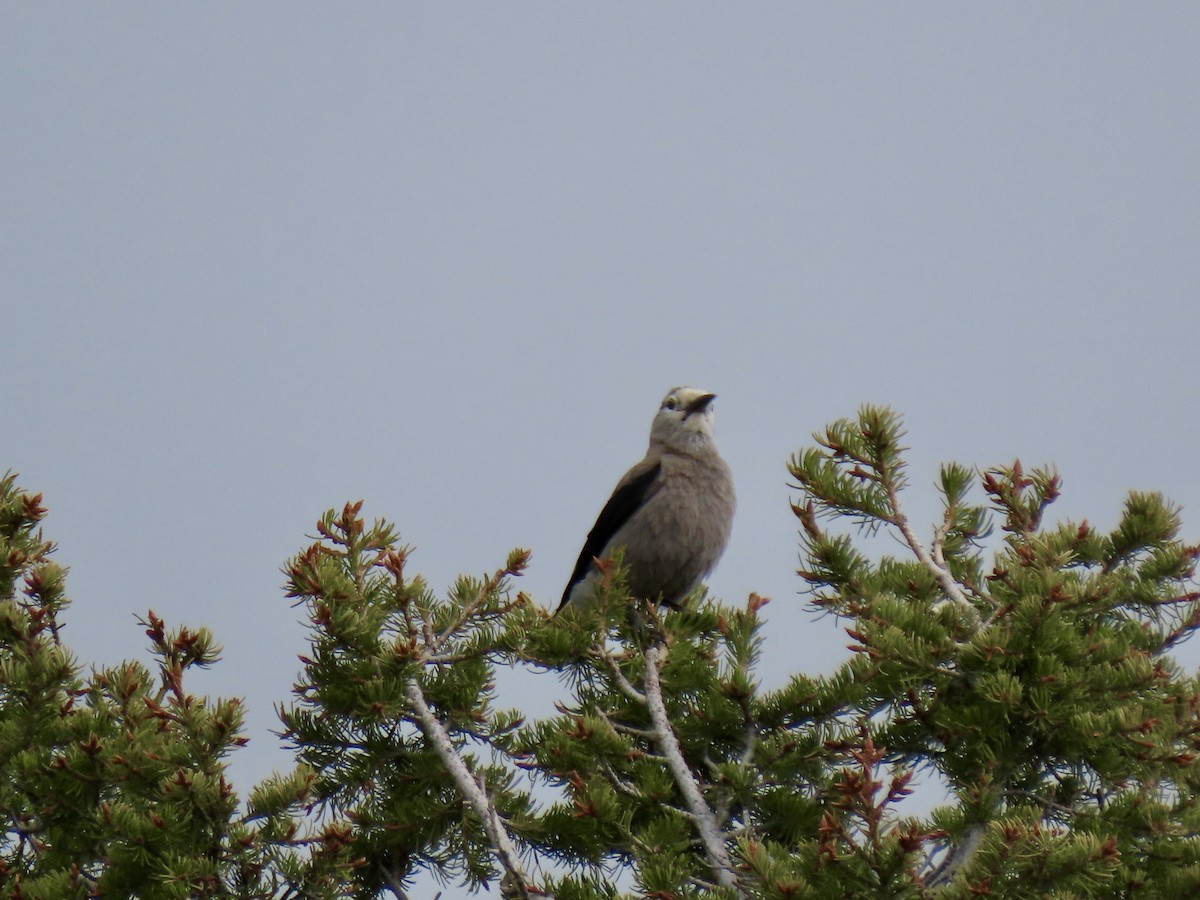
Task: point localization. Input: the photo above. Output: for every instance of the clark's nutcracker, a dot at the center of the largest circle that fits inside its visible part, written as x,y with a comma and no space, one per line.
671,513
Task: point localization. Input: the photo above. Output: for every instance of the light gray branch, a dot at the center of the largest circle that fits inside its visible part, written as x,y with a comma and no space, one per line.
465,613
938,570
643,734
618,676
701,813
394,884
470,786
960,854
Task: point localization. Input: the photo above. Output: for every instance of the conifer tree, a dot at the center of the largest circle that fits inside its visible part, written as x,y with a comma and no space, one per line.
1028,663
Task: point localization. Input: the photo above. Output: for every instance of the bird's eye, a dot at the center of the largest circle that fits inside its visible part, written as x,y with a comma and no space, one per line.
669,403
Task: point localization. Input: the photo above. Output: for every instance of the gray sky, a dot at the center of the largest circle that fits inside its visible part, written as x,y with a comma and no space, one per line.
260,259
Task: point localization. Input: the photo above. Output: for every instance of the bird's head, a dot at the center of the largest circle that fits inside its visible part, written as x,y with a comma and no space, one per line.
684,418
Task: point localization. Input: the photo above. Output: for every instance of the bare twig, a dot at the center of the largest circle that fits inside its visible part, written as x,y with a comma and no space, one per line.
1048,805
394,884
470,786
724,805
939,571
623,684
468,610
625,787
960,854
701,813
644,734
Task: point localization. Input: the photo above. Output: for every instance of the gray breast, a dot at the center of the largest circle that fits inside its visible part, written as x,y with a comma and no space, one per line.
679,535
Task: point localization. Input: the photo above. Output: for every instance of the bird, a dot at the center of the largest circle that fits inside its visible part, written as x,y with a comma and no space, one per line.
671,514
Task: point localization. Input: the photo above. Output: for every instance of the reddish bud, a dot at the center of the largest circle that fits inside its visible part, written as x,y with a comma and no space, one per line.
31,507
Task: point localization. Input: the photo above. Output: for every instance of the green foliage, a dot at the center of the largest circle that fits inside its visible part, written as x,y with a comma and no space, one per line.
1045,694
377,635
1027,664
112,783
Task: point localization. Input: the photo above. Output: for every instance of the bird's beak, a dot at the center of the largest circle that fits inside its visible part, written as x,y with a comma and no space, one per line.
698,405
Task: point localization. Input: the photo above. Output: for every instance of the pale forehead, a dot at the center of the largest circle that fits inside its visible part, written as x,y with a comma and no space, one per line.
684,392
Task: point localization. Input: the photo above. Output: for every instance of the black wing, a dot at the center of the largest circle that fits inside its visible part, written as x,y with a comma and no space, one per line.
633,491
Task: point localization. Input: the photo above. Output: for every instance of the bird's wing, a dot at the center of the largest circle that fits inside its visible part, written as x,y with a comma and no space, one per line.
637,486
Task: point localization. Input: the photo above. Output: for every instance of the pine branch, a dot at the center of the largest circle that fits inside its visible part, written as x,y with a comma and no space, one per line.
702,814
471,787
934,564
463,615
623,684
394,884
960,854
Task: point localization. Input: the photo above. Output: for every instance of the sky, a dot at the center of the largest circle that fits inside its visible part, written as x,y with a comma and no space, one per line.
257,260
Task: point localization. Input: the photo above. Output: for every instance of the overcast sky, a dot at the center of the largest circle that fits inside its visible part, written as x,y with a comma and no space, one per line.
257,260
